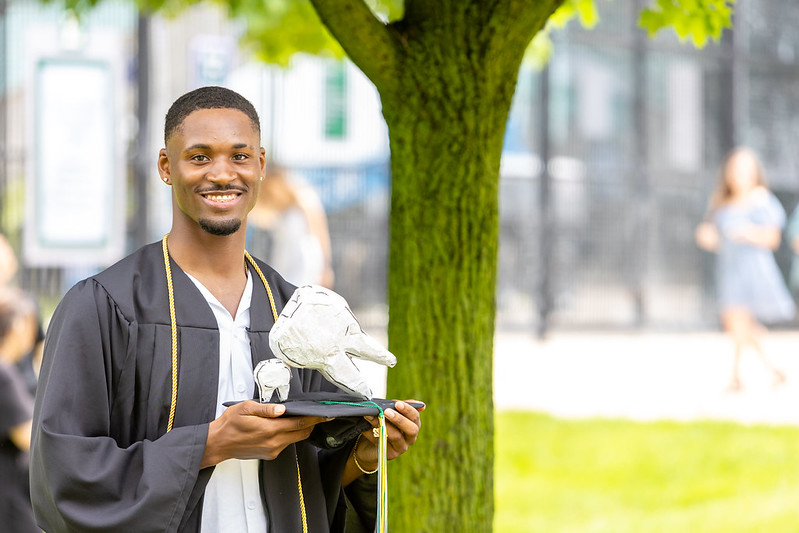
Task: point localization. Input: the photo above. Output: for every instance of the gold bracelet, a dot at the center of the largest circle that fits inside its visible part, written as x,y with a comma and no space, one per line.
355,457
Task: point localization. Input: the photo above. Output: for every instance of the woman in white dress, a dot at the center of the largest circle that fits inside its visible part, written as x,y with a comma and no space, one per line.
743,227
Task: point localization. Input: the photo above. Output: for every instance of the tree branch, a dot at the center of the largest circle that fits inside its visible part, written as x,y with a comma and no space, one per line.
511,25
368,42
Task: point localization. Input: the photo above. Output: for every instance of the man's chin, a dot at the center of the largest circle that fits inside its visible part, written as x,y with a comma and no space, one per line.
220,228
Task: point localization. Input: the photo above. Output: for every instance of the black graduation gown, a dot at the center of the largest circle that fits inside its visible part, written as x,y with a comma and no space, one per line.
101,459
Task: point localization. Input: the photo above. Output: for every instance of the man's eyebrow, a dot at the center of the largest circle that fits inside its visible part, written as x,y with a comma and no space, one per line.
201,146
198,146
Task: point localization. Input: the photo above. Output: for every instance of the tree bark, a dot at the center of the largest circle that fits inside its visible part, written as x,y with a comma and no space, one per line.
446,129
442,276
446,100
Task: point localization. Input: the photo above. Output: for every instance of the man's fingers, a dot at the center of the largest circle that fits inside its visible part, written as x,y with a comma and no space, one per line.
407,411
399,440
276,410
402,429
264,410
405,425
404,416
420,409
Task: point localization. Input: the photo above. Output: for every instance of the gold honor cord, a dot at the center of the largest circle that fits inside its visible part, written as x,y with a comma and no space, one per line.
173,403
382,477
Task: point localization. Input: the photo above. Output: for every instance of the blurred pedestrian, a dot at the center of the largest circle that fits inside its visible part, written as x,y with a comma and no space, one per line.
292,215
743,226
28,365
18,327
8,261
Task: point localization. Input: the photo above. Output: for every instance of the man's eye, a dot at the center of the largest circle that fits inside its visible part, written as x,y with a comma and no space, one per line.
240,157
200,157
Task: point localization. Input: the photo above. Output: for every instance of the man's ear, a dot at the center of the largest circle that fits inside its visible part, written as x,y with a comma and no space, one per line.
163,167
262,161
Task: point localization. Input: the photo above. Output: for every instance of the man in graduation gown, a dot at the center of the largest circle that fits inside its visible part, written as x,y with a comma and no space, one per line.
105,456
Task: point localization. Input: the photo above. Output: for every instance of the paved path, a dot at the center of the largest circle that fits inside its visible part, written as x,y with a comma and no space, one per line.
645,376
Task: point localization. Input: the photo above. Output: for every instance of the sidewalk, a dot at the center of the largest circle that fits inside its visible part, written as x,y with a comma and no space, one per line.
645,376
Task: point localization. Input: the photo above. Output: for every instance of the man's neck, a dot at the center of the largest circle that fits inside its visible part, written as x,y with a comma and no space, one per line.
200,252
216,262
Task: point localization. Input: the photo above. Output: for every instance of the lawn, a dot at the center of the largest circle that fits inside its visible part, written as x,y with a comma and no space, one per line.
617,476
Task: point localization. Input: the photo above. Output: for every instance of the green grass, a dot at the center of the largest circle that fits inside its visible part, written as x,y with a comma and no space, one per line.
617,476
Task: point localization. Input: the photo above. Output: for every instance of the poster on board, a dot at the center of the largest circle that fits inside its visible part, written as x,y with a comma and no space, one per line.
74,184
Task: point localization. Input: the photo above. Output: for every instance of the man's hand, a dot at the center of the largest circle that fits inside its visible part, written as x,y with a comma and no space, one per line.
402,429
252,430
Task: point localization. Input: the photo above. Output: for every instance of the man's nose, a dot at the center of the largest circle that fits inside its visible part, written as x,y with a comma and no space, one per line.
221,172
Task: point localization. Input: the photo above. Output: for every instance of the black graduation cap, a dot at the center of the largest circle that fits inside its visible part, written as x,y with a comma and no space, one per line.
346,410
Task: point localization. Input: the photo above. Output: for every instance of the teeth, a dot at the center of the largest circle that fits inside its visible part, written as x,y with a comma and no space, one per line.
221,197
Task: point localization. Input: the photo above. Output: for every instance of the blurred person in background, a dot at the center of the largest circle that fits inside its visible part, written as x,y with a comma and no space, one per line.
18,326
8,262
28,365
291,217
743,226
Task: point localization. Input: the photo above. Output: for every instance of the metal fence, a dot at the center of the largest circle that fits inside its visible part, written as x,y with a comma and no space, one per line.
632,131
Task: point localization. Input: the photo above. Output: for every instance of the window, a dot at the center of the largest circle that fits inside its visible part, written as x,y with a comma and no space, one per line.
335,101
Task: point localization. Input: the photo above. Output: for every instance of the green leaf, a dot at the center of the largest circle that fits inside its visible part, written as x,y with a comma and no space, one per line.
584,10
698,20
281,28
540,48
539,51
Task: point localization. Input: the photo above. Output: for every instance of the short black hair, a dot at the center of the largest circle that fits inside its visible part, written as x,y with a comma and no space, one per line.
211,97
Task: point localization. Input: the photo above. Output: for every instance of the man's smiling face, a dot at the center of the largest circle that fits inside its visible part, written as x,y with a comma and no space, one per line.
214,163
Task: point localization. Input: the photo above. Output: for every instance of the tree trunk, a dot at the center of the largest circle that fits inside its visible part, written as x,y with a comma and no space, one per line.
446,128
446,74
442,277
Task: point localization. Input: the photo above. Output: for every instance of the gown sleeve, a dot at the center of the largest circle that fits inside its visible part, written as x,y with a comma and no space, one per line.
82,479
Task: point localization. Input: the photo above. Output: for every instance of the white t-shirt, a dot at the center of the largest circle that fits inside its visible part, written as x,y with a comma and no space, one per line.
232,502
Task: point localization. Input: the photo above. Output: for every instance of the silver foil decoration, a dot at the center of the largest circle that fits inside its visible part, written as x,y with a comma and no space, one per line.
272,375
318,330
